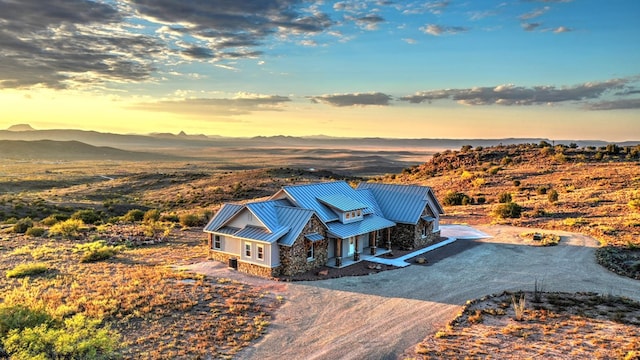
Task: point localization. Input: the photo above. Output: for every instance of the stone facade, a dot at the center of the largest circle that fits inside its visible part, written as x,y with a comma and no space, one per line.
257,270
293,259
409,236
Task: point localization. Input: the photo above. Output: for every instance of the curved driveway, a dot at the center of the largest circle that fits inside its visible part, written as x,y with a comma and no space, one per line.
381,315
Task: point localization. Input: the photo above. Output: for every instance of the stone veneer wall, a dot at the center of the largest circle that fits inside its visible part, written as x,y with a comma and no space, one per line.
293,259
408,237
245,267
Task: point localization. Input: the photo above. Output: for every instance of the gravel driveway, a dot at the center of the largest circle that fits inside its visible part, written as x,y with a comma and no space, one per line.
379,316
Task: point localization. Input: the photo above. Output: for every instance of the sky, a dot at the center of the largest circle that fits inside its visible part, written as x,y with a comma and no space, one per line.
556,69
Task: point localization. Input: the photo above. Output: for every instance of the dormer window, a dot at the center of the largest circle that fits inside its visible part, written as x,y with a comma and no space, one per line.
346,215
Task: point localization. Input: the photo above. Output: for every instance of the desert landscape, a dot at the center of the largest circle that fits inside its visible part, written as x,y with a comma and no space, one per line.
112,250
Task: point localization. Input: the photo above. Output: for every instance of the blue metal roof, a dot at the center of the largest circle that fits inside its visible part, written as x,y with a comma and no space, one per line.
314,237
225,213
296,219
265,212
261,234
306,196
402,203
341,202
229,230
368,224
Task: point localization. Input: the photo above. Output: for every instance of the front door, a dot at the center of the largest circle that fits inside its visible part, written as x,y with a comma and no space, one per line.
352,246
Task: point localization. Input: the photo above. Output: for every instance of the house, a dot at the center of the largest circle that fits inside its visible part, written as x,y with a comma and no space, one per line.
302,227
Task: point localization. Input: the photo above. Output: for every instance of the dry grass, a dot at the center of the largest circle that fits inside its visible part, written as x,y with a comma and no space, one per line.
593,197
161,313
560,326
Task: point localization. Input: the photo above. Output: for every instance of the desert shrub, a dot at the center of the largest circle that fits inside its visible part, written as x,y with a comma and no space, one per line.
68,229
506,160
170,218
560,158
88,216
189,220
35,232
27,269
95,251
456,198
151,215
504,198
54,219
478,182
78,338
634,204
133,215
574,222
494,170
508,210
481,200
18,317
552,196
11,220
516,183
541,190
157,230
22,225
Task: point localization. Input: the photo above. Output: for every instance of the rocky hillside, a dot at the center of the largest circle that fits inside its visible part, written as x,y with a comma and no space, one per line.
543,154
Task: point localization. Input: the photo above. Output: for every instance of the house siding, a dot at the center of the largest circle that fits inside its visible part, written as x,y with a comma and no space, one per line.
293,259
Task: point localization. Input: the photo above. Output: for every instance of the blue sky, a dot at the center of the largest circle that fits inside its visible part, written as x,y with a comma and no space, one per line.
563,69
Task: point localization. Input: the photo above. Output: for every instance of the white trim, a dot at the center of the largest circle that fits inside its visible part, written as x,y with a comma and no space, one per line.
260,252
218,239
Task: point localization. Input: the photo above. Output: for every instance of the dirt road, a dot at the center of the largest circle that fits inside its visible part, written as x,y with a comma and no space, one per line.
381,315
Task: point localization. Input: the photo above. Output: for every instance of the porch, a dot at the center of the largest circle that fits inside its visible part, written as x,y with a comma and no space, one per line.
364,256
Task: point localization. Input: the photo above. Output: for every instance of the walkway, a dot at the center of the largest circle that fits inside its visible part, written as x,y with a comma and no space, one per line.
451,232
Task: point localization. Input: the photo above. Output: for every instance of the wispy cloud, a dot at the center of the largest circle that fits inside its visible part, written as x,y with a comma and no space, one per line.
437,30
356,99
530,26
519,95
621,104
535,13
207,107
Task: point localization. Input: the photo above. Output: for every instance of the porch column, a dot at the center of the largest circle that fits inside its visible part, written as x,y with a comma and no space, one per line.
338,252
356,255
373,236
210,241
389,239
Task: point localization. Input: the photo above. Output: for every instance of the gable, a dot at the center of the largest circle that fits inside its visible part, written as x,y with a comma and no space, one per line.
402,203
307,197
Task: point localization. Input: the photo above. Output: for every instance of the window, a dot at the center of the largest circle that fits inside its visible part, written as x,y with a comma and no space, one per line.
353,214
359,213
260,249
424,231
346,215
310,251
247,250
217,242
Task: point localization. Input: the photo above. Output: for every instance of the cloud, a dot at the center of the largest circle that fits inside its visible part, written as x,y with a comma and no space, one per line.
81,43
535,13
205,107
422,7
530,26
357,99
615,105
518,95
369,22
437,30
561,29
56,44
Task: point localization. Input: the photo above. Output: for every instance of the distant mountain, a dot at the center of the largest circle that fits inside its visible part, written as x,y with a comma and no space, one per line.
70,150
20,127
194,144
